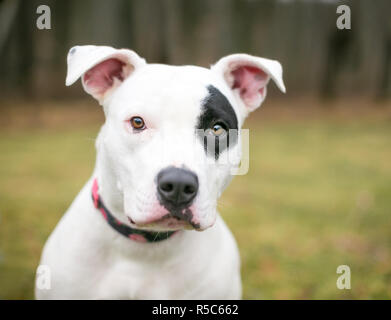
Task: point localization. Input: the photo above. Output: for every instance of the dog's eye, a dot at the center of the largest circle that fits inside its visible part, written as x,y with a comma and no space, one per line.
137,123
219,129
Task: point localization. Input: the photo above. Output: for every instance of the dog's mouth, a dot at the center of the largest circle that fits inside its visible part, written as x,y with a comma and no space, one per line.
169,222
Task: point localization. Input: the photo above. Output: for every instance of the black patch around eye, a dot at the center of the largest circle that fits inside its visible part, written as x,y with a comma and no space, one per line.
217,109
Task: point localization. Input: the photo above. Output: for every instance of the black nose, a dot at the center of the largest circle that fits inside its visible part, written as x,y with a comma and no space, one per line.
176,187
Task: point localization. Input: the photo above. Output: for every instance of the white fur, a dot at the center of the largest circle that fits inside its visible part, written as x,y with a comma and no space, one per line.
90,260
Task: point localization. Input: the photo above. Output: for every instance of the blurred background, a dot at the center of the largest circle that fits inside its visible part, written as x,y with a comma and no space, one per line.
318,193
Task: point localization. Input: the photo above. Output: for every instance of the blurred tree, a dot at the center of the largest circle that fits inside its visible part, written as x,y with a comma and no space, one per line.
317,57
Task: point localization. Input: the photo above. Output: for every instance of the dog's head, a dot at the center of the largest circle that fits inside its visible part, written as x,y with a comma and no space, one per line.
172,133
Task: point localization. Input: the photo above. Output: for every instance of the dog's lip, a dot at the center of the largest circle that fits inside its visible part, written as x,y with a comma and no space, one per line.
168,221
131,220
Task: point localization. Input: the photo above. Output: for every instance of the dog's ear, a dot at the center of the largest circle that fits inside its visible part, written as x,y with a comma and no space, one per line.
247,76
102,68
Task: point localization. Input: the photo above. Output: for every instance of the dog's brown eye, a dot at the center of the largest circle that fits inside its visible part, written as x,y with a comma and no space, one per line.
137,123
218,129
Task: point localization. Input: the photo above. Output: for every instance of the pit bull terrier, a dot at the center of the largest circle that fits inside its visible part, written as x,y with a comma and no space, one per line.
131,233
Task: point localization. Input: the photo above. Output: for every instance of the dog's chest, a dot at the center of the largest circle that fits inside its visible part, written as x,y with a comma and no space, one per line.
138,281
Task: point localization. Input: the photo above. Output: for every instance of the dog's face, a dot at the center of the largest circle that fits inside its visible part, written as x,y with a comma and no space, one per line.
171,139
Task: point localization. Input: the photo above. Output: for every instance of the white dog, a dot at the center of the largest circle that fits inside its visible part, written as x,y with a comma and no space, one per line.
131,233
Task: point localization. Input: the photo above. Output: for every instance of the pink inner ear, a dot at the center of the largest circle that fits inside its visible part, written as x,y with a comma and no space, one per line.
101,77
251,82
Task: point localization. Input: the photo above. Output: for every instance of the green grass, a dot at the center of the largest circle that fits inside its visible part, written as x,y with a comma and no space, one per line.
318,195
